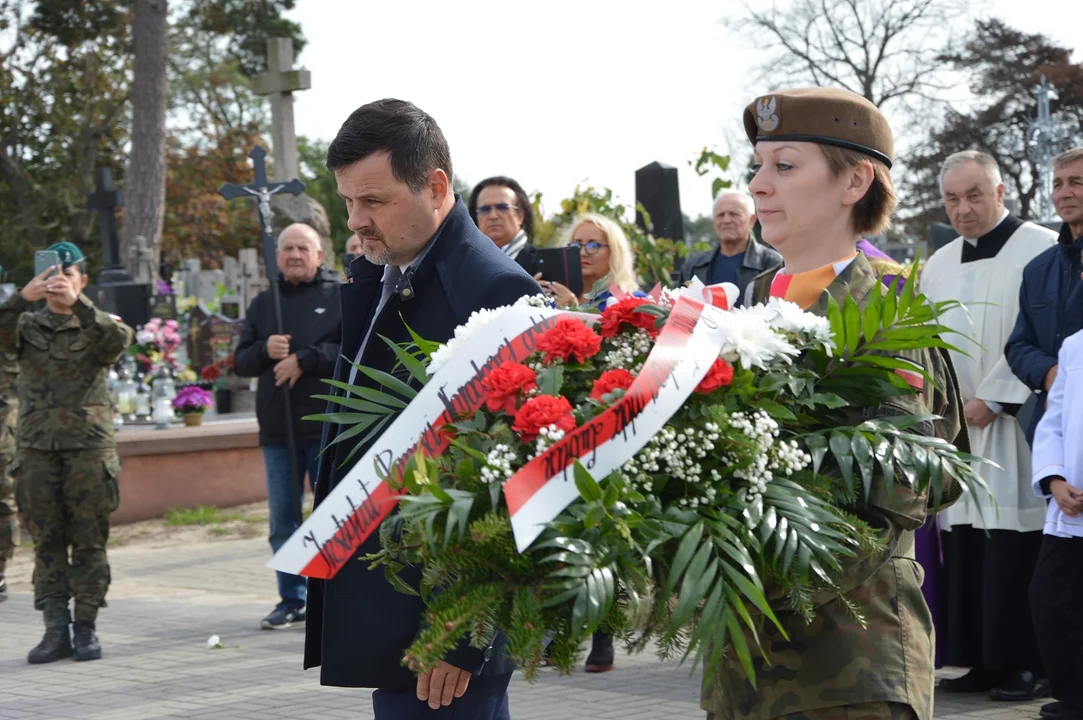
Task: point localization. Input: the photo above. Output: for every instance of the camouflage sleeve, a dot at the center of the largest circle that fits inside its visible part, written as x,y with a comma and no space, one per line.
10,312
108,337
938,395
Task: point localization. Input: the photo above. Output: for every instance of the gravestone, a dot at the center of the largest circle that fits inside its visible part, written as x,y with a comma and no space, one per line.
105,200
211,337
280,82
164,307
657,191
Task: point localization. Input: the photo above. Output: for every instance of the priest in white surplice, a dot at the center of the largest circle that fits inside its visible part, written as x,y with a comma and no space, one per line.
985,608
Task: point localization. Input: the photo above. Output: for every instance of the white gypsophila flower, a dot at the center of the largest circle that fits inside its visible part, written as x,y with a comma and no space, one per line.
626,347
499,464
752,341
678,454
669,297
477,319
540,300
547,438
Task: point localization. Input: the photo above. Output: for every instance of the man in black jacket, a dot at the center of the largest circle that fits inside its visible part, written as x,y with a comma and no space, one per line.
301,358
739,258
425,265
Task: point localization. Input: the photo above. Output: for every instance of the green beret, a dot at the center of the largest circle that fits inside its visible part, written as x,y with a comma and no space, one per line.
829,116
68,252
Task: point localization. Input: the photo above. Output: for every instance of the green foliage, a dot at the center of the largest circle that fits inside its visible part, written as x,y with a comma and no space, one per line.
321,186
199,515
249,25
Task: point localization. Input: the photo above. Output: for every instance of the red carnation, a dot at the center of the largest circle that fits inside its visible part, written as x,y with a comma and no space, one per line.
624,313
611,380
541,412
506,384
210,373
720,374
568,338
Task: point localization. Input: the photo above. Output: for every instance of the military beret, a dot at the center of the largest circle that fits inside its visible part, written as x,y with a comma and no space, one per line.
69,253
829,116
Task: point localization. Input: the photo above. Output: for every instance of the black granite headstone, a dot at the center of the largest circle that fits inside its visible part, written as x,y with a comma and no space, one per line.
658,192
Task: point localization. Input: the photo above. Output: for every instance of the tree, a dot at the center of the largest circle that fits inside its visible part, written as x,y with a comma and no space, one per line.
884,50
64,80
146,174
1004,66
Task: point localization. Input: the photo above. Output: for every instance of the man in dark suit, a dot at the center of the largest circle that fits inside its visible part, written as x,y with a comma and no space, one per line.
425,265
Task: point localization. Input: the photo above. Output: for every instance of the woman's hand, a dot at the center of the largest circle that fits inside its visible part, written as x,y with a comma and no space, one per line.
563,296
35,289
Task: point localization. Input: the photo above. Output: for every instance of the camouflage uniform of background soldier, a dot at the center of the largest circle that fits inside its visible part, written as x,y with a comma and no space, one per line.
66,466
9,370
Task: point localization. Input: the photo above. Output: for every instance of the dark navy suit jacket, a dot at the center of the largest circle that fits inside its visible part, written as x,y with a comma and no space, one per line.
358,625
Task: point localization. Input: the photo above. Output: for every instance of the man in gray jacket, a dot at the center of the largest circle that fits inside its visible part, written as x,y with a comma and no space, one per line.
739,258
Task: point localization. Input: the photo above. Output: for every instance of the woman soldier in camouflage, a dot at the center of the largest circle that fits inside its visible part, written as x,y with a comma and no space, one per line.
66,464
822,181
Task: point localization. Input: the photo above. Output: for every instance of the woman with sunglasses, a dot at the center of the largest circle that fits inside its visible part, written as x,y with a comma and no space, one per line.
501,209
822,160
604,255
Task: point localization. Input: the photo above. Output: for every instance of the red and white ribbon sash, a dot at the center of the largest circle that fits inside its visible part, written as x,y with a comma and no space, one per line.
682,355
361,500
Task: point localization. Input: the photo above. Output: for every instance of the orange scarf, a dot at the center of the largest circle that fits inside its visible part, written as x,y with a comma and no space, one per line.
805,288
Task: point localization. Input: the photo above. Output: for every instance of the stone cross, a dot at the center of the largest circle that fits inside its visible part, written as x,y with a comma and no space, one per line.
105,200
280,82
251,281
142,260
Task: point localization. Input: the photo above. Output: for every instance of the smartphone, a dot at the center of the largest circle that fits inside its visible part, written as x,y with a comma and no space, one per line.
45,259
562,265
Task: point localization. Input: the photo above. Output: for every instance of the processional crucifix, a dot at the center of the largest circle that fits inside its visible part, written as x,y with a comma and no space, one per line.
262,191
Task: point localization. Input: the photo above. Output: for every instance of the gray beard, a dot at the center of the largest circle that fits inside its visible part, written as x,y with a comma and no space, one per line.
379,258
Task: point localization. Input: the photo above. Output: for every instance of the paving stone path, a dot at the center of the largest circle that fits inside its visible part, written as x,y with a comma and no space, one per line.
167,601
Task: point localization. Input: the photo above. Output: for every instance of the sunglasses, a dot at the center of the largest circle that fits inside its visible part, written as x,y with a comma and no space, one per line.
589,249
498,208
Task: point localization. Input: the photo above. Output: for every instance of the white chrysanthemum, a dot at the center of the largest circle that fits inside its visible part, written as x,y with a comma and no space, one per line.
752,341
789,317
144,336
462,336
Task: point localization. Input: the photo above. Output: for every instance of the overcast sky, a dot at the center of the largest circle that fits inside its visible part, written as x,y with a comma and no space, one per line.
561,92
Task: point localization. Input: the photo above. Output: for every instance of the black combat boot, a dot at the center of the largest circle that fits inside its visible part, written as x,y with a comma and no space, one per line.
55,645
3,588
600,659
87,646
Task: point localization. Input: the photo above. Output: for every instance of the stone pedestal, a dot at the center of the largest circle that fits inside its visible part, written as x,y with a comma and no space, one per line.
217,464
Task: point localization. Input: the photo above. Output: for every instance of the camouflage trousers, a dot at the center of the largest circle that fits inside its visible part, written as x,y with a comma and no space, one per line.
863,711
7,517
65,497
7,488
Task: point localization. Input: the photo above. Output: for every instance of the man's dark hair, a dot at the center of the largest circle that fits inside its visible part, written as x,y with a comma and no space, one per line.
521,199
405,132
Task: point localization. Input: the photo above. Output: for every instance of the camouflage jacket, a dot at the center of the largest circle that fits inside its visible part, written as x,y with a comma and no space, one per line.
9,405
834,661
64,401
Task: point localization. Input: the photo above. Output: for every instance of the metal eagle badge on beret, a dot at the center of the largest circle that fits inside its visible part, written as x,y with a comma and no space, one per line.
767,113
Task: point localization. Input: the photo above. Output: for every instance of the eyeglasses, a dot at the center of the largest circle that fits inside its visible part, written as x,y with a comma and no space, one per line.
501,208
589,249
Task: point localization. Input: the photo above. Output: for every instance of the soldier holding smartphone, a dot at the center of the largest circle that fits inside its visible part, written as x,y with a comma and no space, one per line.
66,465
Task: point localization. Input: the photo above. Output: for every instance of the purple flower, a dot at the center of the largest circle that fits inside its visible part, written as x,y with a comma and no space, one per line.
192,399
162,287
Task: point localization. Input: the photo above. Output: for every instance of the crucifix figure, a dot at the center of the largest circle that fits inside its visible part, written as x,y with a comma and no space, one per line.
105,200
263,191
280,82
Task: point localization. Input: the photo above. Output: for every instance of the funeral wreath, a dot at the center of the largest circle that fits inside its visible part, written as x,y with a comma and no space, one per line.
662,468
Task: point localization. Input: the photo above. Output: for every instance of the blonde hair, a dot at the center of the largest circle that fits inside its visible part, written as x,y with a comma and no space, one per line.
622,271
872,213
